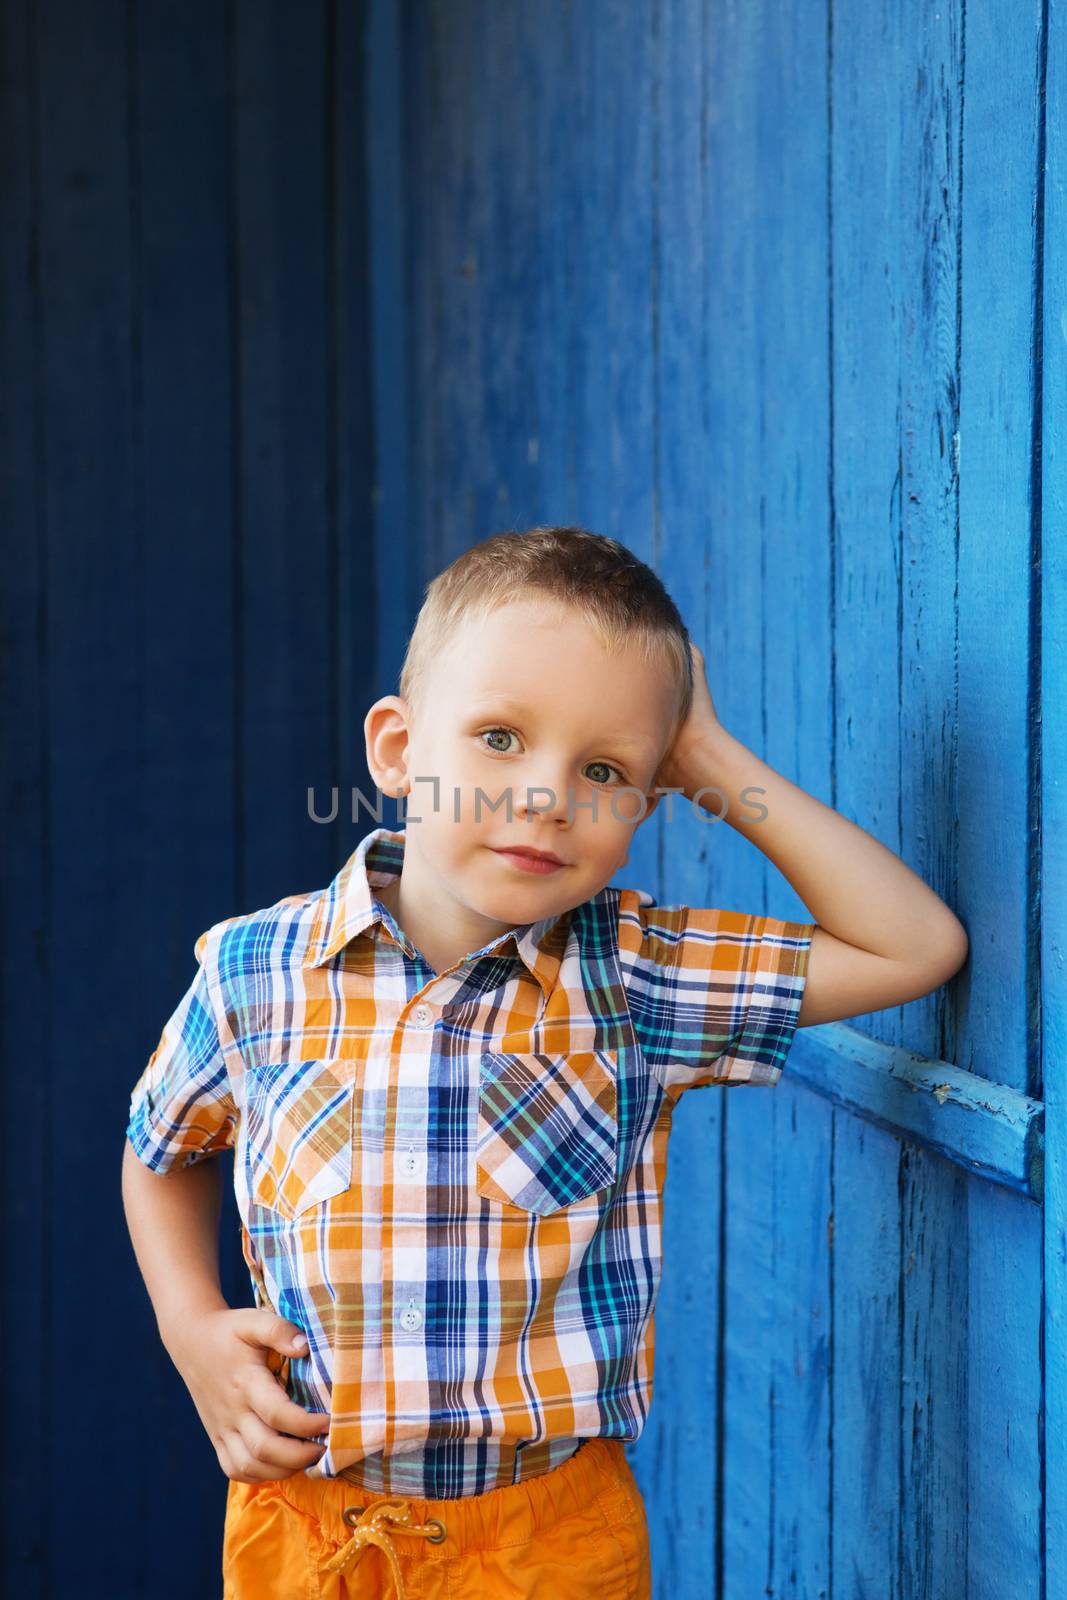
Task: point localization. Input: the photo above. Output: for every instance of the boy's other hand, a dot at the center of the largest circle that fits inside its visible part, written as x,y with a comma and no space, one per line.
223,1357
685,762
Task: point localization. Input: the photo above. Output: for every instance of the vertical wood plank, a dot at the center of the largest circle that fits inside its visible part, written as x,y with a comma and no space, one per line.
508,260
871,71
25,694
933,1419
460,150
997,494
1053,748
548,33
991,1026
740,44
287,553
93,642
393,600
612,377
187,745
676,1459
355,381
423,198
790,1139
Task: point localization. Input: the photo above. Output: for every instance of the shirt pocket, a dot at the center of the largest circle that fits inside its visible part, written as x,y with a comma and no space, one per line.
299,1132
548,1127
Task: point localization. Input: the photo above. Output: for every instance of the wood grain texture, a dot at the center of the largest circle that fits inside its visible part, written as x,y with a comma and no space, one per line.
678,1461
184,490
895,1346
296,304
991,1032
1052,603
988,1128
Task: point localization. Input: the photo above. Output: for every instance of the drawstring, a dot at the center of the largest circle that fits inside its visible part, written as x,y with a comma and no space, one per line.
370,1528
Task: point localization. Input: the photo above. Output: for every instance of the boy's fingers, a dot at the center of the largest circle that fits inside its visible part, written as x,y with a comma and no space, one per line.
272,1405
269,1450
271,1332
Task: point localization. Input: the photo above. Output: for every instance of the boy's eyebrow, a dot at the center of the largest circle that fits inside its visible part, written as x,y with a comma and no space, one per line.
488,701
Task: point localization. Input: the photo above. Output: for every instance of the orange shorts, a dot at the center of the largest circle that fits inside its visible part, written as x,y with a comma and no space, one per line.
578,1532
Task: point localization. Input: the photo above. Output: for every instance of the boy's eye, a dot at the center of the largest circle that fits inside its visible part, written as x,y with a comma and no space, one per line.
489,733
605,766
507,733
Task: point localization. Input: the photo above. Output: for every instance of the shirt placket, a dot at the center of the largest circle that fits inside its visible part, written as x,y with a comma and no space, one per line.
405,1241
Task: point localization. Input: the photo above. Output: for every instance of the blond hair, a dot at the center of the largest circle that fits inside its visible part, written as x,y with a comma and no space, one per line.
623,599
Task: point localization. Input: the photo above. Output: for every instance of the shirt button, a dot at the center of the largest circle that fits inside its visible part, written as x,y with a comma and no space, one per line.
422,1016
411,1318
411,1162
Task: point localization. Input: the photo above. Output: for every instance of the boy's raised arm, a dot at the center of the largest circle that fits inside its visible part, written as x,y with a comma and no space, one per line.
883,936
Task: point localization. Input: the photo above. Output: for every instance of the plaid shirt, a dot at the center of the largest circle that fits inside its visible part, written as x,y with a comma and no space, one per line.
452,1182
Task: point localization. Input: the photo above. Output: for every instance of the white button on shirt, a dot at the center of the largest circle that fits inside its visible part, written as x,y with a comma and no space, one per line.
411,1318
422,1016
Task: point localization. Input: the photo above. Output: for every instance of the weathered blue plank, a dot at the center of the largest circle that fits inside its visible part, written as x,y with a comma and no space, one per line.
509,262
355,388
422,196
1053,751
793,1139
183,594
286,524
933,1419
746,471
997,497
95,643
677,1460
393,600
999,503
871,67
614,413
548,43
458,281
992,1130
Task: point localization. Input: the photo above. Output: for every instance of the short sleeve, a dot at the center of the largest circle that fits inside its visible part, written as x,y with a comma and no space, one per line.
182,1108
714,995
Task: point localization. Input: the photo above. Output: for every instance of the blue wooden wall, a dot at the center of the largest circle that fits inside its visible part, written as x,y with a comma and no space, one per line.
299,301
188,645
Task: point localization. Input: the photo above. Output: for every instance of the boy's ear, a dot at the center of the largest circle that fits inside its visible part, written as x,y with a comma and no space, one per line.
386,729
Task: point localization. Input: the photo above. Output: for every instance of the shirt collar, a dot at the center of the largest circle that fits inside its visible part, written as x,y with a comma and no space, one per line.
348,906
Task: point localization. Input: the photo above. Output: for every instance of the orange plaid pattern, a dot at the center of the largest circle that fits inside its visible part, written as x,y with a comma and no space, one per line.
452,1181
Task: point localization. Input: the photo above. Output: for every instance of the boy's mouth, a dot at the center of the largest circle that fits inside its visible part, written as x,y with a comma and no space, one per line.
528,860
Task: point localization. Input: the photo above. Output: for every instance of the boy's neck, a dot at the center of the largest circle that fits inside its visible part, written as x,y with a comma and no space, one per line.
422,925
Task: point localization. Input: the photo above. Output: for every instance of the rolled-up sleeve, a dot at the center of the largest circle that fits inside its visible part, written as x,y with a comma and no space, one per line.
714,995
182,1108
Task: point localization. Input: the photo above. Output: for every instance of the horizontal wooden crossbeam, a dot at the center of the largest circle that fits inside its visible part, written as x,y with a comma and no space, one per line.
994,1131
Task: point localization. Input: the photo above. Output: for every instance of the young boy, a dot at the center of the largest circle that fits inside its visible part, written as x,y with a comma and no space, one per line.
448,1078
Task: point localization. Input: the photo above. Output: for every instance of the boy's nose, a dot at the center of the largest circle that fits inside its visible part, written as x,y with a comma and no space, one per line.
547,796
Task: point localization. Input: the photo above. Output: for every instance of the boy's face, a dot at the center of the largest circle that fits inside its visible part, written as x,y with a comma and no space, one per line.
525,702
